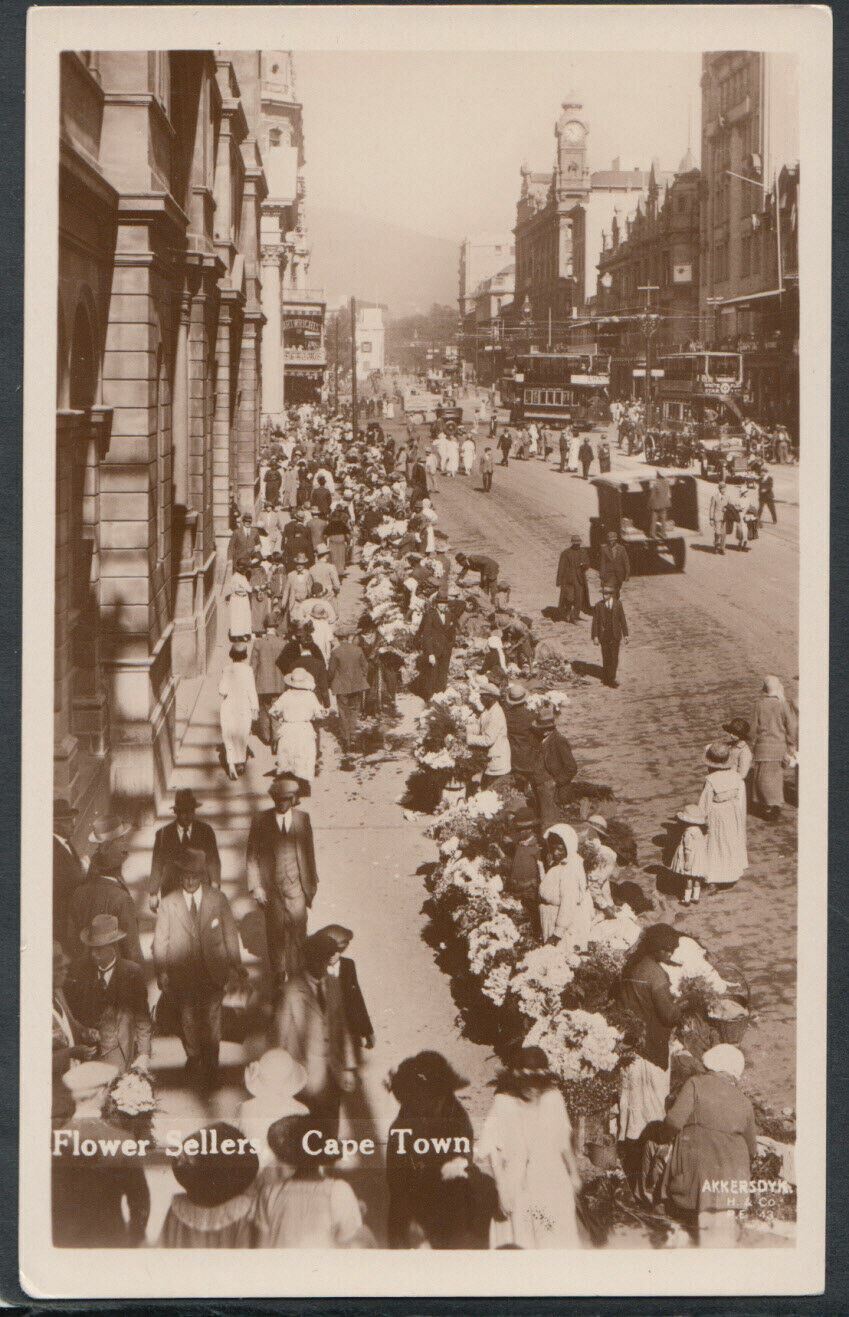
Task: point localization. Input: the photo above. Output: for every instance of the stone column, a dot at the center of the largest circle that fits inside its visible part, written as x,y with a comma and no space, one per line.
65,744
221,474
247,420
272,335
185,518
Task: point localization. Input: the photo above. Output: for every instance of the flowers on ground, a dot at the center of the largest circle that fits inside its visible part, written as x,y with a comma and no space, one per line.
578,1044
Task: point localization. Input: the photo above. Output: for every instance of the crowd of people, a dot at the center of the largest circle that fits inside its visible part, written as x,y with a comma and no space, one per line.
333,500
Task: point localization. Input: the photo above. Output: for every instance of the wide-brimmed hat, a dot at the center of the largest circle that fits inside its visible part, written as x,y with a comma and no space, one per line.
516,694
717,753
107,827
322,550
85,1079
691,814
300,680
275,1074
301,560
185,798
489,688
190,859
726,1059
108,857
284,787
524,818
322,608
737,727
63,809
102,932
599,822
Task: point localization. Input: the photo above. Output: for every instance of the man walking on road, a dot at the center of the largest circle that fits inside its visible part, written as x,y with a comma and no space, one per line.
171,842
487,467
766,496
572,581
614,564
505,443
717,515
282,875
349,679
585,457
609,629
563,443
660,498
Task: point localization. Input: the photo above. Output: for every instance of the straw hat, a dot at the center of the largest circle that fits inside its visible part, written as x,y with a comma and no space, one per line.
300,680
516,694
717,754
599,822
108,827
691,814
276,1074
322,550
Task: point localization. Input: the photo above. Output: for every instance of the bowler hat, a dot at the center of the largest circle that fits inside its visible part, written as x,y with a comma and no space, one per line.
737,727
107,827
284,787
63,809
185,799
191,860
102,932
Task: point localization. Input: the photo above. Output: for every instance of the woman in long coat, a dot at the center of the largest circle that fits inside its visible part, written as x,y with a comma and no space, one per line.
716,1140
773,740
239,618
292,717
239,708
526,1145
723,803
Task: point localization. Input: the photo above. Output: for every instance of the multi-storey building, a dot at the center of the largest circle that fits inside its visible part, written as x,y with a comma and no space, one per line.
649,261
370,335
749,222
560,217
486,323
161,181
293,346
480,257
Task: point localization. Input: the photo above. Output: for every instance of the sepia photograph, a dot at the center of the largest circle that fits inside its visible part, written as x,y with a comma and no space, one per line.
426,801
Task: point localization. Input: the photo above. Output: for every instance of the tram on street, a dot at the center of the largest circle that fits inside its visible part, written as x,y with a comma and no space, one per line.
560,388
700,389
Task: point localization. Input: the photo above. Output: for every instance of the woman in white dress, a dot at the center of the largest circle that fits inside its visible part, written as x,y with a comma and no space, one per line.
526,1146
452,456
468,453
239,621
572,459
566,907
239,708
723,803
292,718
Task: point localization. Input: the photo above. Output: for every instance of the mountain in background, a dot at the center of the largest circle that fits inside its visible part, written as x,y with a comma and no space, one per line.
353,255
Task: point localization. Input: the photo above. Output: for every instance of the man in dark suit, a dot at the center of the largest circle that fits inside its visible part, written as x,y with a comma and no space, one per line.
268,678
348,676
171,841
282,874
554,768
108,993
609,630
68,870
196,953
104,891
297,540
572,581
436,635
613,562
245,539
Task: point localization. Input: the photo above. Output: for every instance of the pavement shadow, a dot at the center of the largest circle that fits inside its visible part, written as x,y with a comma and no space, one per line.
583,669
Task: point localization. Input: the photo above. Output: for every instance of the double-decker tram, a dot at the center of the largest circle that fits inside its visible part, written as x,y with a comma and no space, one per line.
559,388
695,385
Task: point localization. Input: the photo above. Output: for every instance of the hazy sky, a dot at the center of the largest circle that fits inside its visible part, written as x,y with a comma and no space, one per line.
434,142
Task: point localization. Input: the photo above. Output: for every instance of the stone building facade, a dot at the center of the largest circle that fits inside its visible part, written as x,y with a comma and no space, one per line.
161,184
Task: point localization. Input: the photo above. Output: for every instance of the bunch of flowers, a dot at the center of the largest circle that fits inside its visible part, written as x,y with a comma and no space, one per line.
476,823
130,1101
619,933
489,940
689,961
555,699
540,979
579,1044
497,981
379,590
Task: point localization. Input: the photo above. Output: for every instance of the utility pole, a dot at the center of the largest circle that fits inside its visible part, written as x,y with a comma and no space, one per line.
549,329
649,325
336,362
354,366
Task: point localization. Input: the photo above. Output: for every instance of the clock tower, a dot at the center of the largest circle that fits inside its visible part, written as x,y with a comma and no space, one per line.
571,180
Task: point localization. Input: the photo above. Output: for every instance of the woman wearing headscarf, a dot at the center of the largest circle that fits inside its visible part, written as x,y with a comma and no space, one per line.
292,717
239,708
432,1201
215,1209
565,905
774,737
723,804
645,992
526,1145
716,1140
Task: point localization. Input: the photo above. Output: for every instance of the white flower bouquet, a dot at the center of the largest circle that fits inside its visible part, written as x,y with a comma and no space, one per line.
578,1044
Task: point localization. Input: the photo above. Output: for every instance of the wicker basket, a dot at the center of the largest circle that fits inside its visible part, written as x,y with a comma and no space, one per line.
603,1155
731,1031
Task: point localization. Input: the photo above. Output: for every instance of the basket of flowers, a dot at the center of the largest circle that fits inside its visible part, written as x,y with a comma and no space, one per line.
131,1102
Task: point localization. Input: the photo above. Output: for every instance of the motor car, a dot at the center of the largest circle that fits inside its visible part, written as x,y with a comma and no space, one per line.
623,507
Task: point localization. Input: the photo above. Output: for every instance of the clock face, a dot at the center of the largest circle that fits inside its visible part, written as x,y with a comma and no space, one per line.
573,132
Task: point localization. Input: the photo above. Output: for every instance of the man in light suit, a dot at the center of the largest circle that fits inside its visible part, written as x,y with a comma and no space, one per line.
282,875
108,993
171,841
68,868
609,629
196,952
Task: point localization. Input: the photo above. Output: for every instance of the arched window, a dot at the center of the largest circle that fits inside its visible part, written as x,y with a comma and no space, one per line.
83,366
